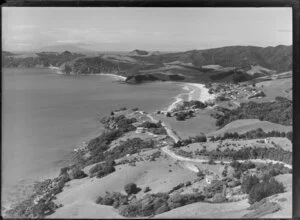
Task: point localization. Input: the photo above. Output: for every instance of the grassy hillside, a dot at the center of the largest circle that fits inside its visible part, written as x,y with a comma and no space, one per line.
245,125
280,111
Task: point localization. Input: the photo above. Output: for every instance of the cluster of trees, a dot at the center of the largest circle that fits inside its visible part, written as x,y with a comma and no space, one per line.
75,173
197,139
102,169
155,128
214,191
257,133
185,153
249,153
181,116
120,122
45,206
153,204
271,170
99,145
114,199
264,189
130,146
280,112
248,182
195,104
240,168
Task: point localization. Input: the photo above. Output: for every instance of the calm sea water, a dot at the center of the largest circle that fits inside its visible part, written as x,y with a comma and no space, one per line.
45,116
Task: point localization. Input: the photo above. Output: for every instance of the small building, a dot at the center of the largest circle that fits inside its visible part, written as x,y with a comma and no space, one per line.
267,140
140,130
210,178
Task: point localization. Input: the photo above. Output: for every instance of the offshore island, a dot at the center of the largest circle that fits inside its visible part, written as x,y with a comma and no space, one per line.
222,149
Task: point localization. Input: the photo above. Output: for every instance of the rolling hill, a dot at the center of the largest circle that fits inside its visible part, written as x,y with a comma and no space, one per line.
225,64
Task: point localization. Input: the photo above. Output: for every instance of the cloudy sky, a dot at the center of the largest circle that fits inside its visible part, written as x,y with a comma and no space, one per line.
123,29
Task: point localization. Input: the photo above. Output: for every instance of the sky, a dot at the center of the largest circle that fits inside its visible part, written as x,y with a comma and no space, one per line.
163,29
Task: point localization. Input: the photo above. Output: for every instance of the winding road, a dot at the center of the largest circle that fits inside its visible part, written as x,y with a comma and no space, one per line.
172,154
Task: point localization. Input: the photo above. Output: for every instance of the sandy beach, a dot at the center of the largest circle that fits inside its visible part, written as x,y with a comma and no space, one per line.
122,78
195,91
199,92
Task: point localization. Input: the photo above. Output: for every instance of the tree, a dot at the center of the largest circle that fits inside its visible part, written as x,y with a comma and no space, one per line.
248,183
289,135
130,188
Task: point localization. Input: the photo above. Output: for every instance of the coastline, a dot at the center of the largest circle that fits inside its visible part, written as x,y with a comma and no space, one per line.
122,78
196,91
193,91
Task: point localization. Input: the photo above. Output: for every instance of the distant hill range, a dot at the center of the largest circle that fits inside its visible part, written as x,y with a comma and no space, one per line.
72,47
232,64
139,52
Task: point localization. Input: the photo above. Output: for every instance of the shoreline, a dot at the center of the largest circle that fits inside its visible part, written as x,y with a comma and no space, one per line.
122,78
196,91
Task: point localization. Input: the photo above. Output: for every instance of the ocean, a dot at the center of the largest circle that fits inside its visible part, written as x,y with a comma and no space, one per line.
46,115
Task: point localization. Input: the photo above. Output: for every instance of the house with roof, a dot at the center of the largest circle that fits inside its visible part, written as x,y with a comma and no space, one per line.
210,178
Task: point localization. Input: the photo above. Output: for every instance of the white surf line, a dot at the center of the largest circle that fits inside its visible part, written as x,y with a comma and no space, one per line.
178,157
178,98
56,68
123,78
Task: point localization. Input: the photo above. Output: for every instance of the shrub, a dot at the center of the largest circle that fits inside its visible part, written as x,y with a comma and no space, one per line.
76,173
163,208
130,210
200,174
130,146
64,171
214,188
211,162
113,199
102,169
225,171
107,201
180,117
99,200
289,135
265,189
105,171
147,189
177,144
188,183
200,138
218,198
130,188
